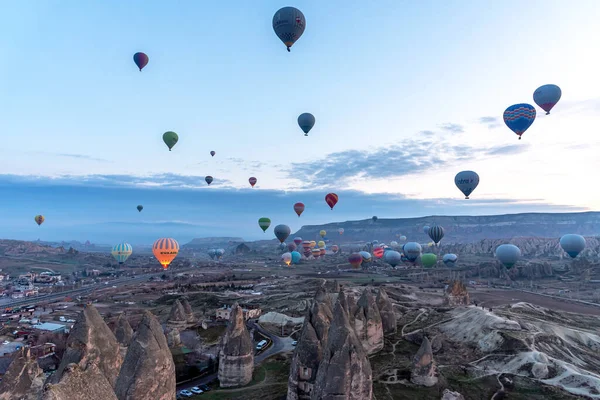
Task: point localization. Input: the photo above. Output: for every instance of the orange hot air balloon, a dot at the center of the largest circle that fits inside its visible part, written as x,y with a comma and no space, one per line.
378,252
39,219
252,181
165,250
331,199
299,208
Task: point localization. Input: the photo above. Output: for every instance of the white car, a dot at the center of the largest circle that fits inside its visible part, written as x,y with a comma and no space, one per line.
196,390
295,342
186,393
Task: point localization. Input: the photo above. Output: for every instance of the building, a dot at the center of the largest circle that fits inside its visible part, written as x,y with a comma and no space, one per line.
50,327
250,312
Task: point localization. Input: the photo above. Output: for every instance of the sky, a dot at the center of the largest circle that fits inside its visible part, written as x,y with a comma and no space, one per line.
405,93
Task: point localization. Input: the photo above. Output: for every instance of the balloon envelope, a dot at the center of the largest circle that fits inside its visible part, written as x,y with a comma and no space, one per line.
264,223
291,246
366,256
212,153
341,231
296,257
547,96
355,260
402,238
140,208
121,252
572,244
322,233
392,257
165,250
426,229
450,259
287,258
306,122
374,218
335,248
331,199
39,219
299,208
170,139
208,179
508,254
519,117
378,252
412,251
282,232
298,241
140,59
428,260
466,182
436,233
289,24
252,181
321,244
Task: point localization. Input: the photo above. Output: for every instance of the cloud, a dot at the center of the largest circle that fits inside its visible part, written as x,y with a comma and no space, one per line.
69,155
240,162
427,133
508,149
491,122
453,128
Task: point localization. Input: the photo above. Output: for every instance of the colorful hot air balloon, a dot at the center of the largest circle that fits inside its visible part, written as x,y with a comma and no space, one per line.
165,250
140,208
291,246
321,244
286,258
428,260
547,96
331,199
264,223
519,117
450,259
289,25
208,179
252,181
341,231
298,241
316,253
392,257
335,248
572,244
306,122
436,233
299,208
466,182
141,60
39,219
366,256
212,153
121,252
378,252
322,233
282,232
323,252
508,254
355,260
296,257
412,251
313,244
170,139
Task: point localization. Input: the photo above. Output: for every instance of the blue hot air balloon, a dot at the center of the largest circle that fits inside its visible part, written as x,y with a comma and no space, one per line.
519,117
296,257
289,25
547,96
121,252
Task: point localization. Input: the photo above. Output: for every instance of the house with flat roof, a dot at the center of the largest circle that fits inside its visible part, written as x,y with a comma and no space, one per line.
50,327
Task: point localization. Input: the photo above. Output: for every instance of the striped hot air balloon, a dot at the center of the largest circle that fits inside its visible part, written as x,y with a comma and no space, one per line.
165,250
331,199
519,117
436,233
39,219
121,252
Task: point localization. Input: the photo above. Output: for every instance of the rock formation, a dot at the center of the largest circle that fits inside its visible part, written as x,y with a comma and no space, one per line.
92,342
189,313
177,317
80,384
450,395
148,370
173,337
236,356
456,295
423,366
24,379
386,310
123,330
345,372
367,323
309,351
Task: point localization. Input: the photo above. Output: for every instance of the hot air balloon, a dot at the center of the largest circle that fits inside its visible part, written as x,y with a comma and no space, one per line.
170,139
547,96
39,219
466,182
323,251
289,25
322,233
299,208
316,253
392,257
140,208
306,244
450,259
212,253
298,241
141,60
335,248
208,179
212,153
366,256
282,246
341,231
378,252
121,252
321,244
313,244
291,246
165,250
282,232
264,223
355,260
428,260
436,233
572,244
331,199
508,254
296,257
412,251
252,181
286,258
393,243
519,117
402,238
219,253
374,218
426,229
306,122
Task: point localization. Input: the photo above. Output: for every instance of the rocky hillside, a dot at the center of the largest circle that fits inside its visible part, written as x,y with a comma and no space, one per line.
19,247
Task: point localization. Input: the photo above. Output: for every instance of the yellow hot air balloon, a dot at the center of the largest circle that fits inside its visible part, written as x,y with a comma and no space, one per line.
321,244
165,250
323,233
39,219
312,244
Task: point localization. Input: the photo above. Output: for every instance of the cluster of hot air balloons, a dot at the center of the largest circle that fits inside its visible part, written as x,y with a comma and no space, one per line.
216,253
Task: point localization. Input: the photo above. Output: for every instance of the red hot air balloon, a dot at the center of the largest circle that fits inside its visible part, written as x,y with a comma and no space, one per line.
252,181
141,60
378,252
299,208
212,153
331,199
355,260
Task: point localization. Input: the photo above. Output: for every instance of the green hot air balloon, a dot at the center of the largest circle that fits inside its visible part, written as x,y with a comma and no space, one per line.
264,223
140,208
428,260
170,139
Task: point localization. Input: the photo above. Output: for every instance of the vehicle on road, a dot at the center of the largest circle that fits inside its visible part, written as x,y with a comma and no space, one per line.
196,390
261,345
186,393
206,388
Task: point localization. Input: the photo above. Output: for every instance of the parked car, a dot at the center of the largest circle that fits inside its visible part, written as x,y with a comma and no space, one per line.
295,342
206,388
186,393
196,390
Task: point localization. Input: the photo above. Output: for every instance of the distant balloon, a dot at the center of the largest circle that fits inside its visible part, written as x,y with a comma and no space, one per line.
355,260
208,179
299,208
366,256
141,60
219,253
282,232
547,96
519,117
374,218
412,251
252,181
289,24
378,252
323,251
165,250
121,252
331,199
450,259
508,254
572,244
466,182
170,139
313,244
286,258
428,260
322,233
436,233
306,122
296,257
341,231
316,253
393,243
212,253
264,223
212,153
291,246
426,229
321,244
298,241
402,238
39,219
392,257
140,208
335,248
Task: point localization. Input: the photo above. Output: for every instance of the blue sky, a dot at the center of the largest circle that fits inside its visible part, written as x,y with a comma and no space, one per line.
405,94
